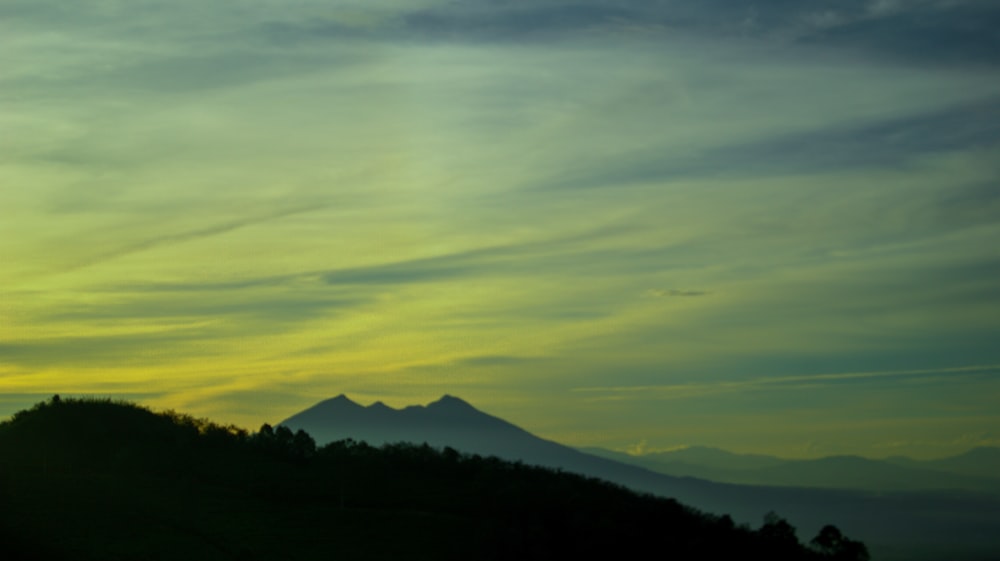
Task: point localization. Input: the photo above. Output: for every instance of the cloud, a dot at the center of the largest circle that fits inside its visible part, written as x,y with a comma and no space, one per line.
407,272
193,235
268,308
495,360
808,382
518,258
638,449
919,32
959,33
872,143
111,350
880,8
660,293
503,22
218,286
158,325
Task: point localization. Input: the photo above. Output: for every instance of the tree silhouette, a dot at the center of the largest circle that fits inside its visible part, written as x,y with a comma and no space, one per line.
303,445
777,529
779,537
835,545
266,432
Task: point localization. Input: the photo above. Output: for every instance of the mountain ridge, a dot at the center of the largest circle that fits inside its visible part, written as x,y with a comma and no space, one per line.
974,470
455,422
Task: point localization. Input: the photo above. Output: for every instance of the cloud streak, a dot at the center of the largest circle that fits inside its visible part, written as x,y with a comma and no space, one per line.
960,32
871,144
800,382
192,235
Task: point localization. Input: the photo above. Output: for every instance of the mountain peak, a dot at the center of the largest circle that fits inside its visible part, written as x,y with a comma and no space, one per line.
449,402
340,401
379,406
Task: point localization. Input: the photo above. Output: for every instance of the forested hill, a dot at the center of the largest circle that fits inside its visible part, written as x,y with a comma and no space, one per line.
93,479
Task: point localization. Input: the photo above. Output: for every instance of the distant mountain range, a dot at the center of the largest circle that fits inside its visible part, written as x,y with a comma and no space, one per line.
448,421
913,525
976,470
452,422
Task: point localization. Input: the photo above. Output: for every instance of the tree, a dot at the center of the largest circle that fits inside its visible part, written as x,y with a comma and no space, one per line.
266,431
284,436
303,445
779,537
835,545
777,529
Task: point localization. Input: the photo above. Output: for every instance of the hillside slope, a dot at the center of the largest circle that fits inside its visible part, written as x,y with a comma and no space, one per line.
95,480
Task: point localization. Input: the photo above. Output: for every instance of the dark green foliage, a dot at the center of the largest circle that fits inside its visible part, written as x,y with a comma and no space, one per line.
836,546
779,536
97,479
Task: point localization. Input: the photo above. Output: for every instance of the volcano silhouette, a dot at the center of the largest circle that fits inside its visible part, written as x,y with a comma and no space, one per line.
449,421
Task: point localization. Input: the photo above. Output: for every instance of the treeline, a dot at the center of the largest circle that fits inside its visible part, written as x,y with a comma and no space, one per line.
100,479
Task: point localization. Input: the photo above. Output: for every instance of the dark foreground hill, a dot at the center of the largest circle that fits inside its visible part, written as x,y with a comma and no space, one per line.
103,480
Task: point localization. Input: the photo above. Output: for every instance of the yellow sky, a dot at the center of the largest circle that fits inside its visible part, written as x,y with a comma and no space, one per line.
606,235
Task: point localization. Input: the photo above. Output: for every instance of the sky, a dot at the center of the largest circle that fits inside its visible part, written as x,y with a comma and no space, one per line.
765,226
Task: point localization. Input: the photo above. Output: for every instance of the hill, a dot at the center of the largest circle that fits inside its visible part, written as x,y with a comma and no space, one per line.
105,480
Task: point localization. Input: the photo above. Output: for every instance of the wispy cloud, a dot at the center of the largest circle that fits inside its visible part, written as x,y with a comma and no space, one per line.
868,143
920,32
193,235
660,293
108,350
807,382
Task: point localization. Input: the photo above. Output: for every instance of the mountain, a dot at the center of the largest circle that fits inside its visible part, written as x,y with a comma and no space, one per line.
715,457
966,472
912,526
982,461
449,421
452,422
93,480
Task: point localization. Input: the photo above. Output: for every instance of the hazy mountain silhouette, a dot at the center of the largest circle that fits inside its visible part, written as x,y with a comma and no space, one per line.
452,422
970,471
449,421
715,457
896,526
983,461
